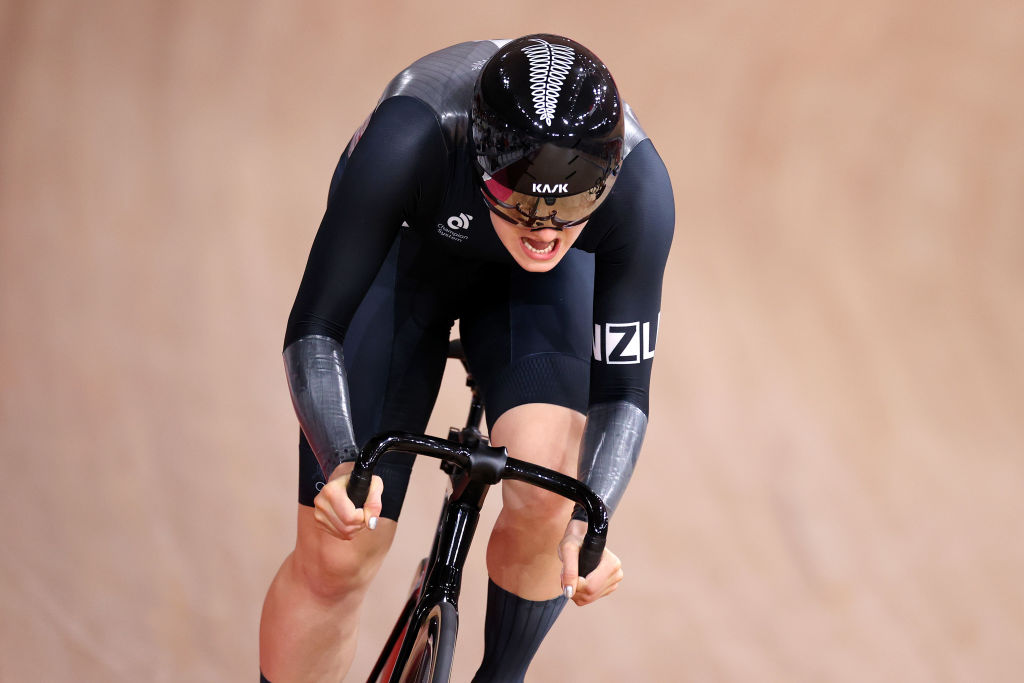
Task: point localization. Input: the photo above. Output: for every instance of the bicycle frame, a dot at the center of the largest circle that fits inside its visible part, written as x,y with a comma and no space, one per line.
473,466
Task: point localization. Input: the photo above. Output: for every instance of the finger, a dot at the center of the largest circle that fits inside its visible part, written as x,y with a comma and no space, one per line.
591,592
328,503
321,520
569,551
581,596
611,585
325,517
591,599
373,505
602,581
610,565
334,493
609,590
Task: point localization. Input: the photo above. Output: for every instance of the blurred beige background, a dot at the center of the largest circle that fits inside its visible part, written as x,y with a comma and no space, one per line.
830,489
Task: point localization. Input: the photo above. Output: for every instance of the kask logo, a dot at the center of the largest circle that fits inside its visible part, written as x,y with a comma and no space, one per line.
550,189
460,222
625,343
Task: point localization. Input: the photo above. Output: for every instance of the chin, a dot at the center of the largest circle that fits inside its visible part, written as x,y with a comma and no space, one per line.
532,266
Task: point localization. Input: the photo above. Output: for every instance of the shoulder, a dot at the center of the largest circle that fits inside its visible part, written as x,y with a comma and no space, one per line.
443,81
643,178
400,130
399,147
403,118
430,77
639,215
634,133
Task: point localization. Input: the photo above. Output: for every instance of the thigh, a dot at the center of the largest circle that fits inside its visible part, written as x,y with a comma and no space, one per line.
395,351
529,336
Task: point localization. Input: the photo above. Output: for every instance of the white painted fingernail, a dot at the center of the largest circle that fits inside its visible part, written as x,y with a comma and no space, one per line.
372,523
568,592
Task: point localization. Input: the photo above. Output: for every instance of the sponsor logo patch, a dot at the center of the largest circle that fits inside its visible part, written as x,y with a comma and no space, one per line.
455,227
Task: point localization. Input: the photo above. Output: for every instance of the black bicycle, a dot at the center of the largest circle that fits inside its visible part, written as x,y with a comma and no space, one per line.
422,644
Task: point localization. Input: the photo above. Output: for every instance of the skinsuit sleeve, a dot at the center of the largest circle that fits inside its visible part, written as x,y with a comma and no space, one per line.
398,163
630,263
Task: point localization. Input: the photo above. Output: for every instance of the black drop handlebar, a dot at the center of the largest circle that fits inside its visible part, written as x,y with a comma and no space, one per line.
493,464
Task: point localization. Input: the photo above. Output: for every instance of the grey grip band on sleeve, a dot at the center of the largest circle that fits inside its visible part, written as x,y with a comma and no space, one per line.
611,446
315,367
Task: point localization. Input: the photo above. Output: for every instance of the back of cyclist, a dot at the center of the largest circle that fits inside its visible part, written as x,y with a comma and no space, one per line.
503,184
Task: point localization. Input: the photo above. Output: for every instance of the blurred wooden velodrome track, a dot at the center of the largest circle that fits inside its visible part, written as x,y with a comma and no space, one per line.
831,484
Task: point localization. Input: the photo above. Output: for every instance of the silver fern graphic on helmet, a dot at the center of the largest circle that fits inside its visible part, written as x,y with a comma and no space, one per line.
549,65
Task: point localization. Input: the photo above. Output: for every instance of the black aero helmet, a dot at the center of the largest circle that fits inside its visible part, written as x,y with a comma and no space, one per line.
547,131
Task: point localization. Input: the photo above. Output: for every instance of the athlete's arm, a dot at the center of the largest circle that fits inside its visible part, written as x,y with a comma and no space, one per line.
630,263
397,165
633,235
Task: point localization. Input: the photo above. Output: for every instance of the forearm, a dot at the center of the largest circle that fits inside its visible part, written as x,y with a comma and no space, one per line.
315,369
610,448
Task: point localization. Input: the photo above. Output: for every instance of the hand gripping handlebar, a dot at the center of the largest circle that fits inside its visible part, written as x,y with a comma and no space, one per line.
490,465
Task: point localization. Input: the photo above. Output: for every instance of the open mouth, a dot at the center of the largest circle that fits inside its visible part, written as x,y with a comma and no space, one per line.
539,250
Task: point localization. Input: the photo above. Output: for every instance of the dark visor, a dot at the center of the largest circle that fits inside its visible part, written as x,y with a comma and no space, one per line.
544,211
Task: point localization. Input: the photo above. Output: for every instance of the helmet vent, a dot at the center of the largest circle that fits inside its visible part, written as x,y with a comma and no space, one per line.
549,66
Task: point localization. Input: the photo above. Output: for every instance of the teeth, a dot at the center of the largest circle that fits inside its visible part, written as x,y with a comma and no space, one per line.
546,250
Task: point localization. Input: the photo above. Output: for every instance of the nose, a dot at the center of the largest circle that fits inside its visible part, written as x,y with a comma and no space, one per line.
544,234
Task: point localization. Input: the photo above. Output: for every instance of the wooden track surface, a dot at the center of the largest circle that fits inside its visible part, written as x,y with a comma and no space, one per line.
831,485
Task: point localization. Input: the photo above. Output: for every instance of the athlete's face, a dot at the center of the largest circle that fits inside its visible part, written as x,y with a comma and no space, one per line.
536,251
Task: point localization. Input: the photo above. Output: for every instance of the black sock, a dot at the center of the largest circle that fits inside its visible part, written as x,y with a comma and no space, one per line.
513,630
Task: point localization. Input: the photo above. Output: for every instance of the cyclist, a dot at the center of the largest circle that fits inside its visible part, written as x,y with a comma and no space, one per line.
504,184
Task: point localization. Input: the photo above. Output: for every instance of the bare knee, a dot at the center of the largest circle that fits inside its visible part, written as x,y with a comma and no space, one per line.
332,568
547,435
528,507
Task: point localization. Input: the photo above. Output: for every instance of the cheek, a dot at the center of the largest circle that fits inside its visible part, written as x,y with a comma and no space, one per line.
507,233
502,227
570,235
509,237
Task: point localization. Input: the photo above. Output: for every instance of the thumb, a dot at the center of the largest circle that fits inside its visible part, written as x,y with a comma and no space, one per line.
373,504
570,553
